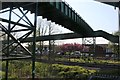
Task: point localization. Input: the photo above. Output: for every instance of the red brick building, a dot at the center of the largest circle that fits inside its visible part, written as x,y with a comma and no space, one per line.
100,49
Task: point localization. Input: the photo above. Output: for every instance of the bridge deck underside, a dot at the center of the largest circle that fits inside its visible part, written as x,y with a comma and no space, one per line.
69,19
55,15
61,14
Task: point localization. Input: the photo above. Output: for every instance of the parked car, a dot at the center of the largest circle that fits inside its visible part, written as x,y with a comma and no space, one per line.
77,53
60,53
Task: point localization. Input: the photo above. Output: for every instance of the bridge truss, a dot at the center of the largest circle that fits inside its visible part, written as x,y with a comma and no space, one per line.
13,42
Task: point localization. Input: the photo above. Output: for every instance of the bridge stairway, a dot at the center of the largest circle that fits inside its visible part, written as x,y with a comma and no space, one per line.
61,13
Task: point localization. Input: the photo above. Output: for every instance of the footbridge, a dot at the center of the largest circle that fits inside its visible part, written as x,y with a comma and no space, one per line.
99,33
62,14
59,12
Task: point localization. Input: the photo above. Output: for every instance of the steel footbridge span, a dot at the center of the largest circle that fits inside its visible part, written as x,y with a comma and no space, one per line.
62,14
59,12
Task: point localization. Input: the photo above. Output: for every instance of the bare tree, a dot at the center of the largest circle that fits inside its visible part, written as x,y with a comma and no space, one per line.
46,28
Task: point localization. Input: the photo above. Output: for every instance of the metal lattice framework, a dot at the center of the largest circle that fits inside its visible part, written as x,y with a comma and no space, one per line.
59,12
31,28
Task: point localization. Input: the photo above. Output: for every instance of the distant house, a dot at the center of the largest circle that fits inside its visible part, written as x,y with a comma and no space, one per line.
100,50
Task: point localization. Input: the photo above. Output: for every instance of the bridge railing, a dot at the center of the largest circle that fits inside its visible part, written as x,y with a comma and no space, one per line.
66,9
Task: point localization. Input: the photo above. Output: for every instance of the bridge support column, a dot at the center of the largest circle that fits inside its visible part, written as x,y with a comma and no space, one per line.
119,33
14,42
34,41
89,42
8,42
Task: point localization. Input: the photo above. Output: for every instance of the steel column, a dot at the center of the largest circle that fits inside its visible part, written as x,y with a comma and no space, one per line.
119,33
94,44
49,43
86,42
34,41
119,30
8,38
31,28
